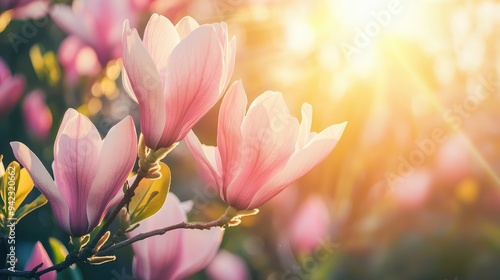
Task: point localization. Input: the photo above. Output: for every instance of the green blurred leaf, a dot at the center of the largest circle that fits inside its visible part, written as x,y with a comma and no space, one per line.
150,196
9,185
58,249
19,184
60,252
24,188
491,234
27,208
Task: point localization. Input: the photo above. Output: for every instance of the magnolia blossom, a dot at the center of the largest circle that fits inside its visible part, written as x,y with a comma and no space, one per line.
310,224
38,256
97,23
78,59
227,266
88,171
454,159
261,153
24,9
413,190
176,74
37,115
11,89
176,254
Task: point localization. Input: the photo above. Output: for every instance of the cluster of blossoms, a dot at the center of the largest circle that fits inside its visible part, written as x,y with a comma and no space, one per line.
176,74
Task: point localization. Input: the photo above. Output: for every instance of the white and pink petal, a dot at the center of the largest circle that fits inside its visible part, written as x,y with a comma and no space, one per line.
300,163
192,82
43,181
146,85
160,38
229,138
116,160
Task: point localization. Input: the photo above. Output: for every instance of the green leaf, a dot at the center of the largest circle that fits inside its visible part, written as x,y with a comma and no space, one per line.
24,188
58,249
150,196
27,208
60,252
9,186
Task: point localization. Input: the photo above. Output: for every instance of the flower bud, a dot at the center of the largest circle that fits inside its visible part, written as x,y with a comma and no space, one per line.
124,219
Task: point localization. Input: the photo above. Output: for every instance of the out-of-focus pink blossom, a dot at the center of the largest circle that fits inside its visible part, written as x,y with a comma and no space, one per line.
262,152
227,266
310,225
141,5
88,171
413,190
285,204
11,89
78,59
38,256
176,254
454,160
176,74
172,9
37,115
97,23
25,9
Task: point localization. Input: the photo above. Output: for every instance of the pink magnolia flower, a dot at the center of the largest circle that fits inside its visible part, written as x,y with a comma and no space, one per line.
227,266
11,89
413,190
97,23
88,171
78,59
25,9
38,256
37,115
141,4
176,74
454,160
261,153
176,254
310,225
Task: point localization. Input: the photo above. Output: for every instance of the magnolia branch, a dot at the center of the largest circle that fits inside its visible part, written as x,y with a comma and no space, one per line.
88,250
230,217
183,225
76,258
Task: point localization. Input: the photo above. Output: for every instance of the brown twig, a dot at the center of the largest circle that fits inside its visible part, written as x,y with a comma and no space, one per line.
88,250
161,231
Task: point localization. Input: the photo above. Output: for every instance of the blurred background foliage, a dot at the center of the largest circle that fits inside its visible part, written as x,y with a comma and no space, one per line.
410,192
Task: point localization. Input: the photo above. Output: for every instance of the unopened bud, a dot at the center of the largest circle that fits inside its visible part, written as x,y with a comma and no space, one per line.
77,243
142,150
154,175
2,167
97,260
101,242
232,217
149,160
124,218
